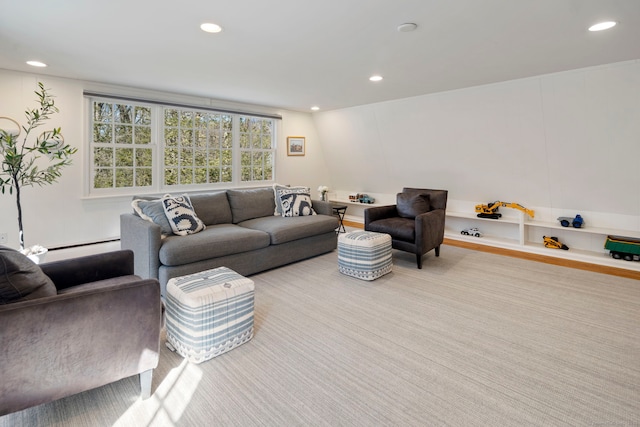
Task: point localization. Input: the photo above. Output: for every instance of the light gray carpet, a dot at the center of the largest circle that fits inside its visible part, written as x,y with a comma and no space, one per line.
472,339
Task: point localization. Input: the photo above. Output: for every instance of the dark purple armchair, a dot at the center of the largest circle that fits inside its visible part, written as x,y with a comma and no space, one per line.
99,324
415,223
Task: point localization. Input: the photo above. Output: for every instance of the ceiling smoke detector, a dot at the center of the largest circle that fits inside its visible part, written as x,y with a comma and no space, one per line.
405,28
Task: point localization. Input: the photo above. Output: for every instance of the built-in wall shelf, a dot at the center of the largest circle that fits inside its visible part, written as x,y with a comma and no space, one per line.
521,233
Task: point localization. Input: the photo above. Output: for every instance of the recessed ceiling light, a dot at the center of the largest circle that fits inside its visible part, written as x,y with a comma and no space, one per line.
375,78
603,26
36,64
210,28
315,108
405,28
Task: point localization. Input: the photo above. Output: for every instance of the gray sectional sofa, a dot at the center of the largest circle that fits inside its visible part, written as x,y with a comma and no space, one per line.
242,233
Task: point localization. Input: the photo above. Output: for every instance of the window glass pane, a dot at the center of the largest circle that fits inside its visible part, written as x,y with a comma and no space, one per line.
102,156
171,176
266,142
226,174
186,119
144,157
186,137
200,175
171,156
200,158
186,176
124,177
227,140
142,135
144,177
171,137
124,157
124,134
102,133
246,174
122,113
214,175
103,178
244,140
143,116
170,117
102,112
245,158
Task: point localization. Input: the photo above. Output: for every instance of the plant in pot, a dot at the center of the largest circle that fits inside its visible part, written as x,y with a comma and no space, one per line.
28,161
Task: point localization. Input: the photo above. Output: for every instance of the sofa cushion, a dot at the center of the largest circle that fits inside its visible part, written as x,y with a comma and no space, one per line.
216,241
398,228
280,190
251,203
21,279
296,204
282,230
411,205
152,210
212,208
181,216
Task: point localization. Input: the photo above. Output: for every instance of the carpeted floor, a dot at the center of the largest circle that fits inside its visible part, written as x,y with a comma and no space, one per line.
472,339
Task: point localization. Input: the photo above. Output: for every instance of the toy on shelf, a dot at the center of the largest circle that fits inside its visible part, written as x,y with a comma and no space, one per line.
491,210
576,222
361,198
554,243
472,231
623,248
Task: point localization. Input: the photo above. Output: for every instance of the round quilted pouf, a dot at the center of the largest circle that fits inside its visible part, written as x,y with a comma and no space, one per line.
365,255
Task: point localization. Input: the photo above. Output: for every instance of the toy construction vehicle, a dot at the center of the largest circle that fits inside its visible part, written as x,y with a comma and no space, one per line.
491,210
554,243
576,222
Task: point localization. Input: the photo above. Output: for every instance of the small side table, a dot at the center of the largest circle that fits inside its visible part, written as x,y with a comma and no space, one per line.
340,211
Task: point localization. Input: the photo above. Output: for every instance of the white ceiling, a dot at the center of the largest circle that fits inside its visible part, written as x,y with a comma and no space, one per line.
293,54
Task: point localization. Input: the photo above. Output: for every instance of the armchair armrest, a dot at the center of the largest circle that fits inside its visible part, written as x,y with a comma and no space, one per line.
144,238
430,229
91,268
379,212
66,344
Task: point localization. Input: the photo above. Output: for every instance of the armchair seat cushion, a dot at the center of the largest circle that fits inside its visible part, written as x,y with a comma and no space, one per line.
397,227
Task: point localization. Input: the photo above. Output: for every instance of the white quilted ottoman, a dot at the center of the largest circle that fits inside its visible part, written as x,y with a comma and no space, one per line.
209,313
364,254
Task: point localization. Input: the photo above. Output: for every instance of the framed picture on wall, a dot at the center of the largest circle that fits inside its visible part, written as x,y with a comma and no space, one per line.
295,146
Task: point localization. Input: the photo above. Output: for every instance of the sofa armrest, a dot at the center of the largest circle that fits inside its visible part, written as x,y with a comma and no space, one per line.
144,238
66,344
321,207
91,268
379,212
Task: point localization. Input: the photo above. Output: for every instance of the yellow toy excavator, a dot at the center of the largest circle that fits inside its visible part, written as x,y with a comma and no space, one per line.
491,210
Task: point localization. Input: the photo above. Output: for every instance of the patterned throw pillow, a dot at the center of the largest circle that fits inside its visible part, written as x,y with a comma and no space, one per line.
280,190
296,204
181,216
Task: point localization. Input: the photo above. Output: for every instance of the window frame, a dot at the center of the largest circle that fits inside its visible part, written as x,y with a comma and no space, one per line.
158,146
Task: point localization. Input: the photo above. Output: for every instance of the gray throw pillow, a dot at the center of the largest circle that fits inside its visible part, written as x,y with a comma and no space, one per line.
251,203
411,205
153,210
21,279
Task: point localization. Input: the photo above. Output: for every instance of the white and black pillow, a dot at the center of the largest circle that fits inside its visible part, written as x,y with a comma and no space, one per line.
296,204
181,216
280,190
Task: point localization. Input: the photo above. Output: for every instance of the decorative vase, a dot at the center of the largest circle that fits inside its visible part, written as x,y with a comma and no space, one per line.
37,257
323,196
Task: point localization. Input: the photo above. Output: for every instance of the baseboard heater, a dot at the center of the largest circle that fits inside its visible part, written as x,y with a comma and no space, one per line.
79,245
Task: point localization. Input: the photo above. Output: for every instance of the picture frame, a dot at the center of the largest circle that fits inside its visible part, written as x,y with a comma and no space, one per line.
295,145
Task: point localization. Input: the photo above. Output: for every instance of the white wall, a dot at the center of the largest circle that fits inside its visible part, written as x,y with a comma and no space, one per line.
59,215
569,141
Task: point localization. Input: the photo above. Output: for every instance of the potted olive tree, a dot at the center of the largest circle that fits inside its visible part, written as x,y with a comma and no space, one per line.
29,160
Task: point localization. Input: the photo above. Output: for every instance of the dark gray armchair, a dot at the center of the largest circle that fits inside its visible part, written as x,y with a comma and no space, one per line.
98,325
415,223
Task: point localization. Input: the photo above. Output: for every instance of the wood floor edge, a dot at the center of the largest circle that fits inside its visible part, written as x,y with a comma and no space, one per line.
596,268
